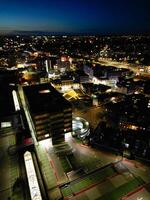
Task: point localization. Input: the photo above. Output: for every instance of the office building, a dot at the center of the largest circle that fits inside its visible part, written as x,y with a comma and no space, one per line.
50,112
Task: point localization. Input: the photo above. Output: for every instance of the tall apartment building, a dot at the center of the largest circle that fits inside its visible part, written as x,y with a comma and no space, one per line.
51,113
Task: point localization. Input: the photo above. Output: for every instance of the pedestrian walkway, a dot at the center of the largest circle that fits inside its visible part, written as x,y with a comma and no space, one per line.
47,170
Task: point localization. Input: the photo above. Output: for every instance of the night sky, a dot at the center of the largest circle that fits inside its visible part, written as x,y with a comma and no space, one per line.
74,16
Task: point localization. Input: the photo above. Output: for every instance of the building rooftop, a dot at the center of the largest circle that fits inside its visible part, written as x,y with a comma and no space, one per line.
6,101
44,98
81,73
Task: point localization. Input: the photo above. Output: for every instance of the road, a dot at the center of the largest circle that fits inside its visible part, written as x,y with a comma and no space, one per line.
92,114
103,158
132,67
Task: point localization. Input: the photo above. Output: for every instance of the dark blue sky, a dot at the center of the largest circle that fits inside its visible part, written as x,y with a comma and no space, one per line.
77,16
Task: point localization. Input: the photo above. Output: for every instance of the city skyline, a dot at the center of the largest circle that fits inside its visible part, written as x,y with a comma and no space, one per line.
103,17
74,117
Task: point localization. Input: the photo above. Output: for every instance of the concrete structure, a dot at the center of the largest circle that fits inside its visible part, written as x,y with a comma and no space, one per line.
104,75
51,113
80,127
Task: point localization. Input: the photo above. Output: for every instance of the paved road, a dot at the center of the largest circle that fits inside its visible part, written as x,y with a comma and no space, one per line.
91,114
132,67
136,167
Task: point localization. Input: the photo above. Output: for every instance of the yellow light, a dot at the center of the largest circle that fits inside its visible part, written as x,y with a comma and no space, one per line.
20,65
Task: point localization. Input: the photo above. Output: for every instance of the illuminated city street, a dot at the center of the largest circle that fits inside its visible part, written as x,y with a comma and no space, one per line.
133,67
75,100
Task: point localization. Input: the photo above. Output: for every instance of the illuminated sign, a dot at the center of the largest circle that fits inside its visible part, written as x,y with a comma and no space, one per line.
16,102
32,178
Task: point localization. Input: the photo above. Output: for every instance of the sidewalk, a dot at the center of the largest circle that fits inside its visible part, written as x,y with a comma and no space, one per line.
49,174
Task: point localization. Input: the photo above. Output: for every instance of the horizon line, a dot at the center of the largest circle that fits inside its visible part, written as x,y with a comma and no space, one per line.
15,32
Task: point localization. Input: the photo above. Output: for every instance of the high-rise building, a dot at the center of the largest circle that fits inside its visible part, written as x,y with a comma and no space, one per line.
50,62
51,113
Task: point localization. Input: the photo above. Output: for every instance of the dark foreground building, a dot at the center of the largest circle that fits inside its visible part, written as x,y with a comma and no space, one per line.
51,113
126,128
9,115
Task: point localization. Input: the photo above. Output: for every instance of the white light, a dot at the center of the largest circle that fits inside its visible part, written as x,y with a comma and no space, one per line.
5,124
77,118
87,123
46,143
44,91
32,178
82,130
126,145
16,102
47,66
68,136
46,135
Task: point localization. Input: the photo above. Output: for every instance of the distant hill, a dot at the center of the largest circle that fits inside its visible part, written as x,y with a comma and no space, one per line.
42,33
6,32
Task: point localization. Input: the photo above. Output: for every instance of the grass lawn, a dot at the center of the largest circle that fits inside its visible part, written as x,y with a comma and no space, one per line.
66,191
69,163
98,177
91,179
72,160
121,191
65,164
